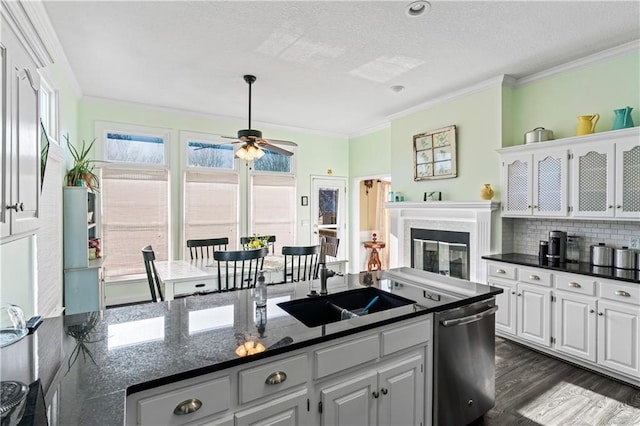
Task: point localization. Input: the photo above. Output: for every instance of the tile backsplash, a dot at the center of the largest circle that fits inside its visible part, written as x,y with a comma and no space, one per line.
524,235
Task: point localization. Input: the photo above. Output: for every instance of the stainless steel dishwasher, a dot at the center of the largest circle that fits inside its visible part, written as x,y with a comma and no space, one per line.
464,363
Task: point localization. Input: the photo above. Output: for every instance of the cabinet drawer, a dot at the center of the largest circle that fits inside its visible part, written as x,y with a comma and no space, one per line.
620,292
406,336
534,276
158,410
346,355
190,287
501,270
288,372
576,284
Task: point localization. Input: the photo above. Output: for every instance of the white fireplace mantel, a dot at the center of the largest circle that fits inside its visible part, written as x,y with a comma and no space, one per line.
478,218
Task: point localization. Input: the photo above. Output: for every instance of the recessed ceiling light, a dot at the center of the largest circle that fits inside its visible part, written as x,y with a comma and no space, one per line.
418,8
397,88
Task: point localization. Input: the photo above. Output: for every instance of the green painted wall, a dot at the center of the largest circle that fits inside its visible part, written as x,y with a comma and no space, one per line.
369,155
478,132
556,102
315,155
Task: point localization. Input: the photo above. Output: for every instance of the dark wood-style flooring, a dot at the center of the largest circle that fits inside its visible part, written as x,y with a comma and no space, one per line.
534,389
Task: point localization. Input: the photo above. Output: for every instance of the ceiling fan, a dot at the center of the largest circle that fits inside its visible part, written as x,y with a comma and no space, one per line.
252,140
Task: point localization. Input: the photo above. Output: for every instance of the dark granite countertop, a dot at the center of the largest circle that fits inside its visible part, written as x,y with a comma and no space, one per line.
112,353
582,268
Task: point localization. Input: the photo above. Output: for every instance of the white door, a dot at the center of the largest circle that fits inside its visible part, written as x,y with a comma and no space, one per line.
517,181
628,179
592,176
575,320
506,302
534,314
289,410
401,393
618,337
329,210
351,403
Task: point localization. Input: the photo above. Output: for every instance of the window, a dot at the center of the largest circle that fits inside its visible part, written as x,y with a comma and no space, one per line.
134,196
273,207
211,189
48,104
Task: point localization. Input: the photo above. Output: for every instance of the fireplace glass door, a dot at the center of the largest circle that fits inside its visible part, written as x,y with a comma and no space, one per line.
441,257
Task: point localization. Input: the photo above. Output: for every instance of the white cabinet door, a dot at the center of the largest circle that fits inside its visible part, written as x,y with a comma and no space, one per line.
517,183
401,393
289,410
351,403
550,185
575,325
592,179
628,179
20,137
619,337
506,302
534,314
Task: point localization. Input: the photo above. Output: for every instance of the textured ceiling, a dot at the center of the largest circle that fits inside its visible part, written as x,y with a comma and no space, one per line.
321,65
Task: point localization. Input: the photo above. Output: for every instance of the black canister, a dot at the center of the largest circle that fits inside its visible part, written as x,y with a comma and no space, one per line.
543,250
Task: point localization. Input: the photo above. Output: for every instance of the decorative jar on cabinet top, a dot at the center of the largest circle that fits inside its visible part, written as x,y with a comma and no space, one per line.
587,124
486,193
623,118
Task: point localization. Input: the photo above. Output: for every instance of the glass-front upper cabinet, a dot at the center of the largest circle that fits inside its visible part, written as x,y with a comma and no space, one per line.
593,180
627,198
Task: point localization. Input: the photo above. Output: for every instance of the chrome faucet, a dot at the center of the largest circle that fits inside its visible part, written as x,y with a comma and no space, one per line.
322,265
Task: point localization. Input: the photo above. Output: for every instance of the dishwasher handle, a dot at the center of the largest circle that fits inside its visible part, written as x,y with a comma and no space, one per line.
470,318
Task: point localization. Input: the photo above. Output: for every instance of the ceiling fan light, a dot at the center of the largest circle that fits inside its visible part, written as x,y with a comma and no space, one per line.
242,153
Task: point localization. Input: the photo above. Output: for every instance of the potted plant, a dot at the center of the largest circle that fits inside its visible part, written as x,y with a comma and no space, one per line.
81,174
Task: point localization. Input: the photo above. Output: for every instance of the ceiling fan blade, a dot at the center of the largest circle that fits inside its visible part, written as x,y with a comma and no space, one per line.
280,142
274,148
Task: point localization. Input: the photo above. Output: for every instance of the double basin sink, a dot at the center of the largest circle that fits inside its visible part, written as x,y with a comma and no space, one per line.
320,310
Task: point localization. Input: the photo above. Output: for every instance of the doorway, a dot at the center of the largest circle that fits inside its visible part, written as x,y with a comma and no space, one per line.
329,211
370,216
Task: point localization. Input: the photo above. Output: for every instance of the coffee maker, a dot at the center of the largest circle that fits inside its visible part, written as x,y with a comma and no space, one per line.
557,247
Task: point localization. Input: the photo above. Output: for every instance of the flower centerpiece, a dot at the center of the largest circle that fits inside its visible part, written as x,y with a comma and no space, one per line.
257,242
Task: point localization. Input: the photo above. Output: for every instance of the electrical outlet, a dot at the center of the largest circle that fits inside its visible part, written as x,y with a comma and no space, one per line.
634,243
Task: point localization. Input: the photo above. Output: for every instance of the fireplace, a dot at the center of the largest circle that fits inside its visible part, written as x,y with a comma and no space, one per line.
442,252
479,220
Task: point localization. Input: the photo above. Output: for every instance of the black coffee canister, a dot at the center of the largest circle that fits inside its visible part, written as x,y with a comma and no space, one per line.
543,250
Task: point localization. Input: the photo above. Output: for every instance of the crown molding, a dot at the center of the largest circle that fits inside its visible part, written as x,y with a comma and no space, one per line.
370,130
34,22
632,46
208,116
495,81
24,25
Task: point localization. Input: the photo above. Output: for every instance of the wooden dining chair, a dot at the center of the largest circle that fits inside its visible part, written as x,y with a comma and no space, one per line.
238,269
271,242
204,248
152,275
300,263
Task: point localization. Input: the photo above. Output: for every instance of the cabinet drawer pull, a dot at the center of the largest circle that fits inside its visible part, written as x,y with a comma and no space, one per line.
187,407
501,271
384,391
375,394
276,377
622,293
534,277
200,285
574,285
600,314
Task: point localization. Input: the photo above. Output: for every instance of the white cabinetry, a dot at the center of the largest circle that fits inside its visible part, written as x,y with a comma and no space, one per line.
536,183
591,176
589,320
388,383
393,395
20,157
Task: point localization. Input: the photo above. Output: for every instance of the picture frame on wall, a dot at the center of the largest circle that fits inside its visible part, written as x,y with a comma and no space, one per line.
434,154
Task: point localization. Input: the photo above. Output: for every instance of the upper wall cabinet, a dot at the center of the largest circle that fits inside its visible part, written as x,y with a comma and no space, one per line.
592,176
20,165
535,184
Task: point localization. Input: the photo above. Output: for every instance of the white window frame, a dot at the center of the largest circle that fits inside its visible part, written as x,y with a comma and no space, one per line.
104,127
50,110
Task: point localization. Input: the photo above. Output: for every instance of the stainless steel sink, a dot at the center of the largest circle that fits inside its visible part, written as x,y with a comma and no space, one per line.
320,310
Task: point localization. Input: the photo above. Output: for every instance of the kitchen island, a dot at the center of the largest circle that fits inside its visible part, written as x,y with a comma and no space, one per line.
116,360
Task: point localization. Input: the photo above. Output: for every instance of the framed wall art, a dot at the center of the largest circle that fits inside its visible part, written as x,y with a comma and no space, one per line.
434,154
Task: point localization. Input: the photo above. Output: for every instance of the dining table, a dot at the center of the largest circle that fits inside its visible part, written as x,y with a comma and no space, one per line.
186,277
